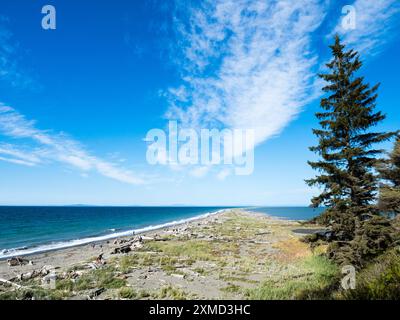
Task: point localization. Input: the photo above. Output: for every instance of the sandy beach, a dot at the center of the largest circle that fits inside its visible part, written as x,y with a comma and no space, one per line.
226,255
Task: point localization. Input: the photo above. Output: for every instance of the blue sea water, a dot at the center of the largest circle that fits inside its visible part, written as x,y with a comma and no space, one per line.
27,230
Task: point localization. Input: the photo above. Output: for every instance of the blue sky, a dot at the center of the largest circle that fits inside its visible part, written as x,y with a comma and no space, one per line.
77,102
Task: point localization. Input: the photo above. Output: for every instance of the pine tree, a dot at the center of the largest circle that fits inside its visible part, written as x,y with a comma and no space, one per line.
346,148
389,192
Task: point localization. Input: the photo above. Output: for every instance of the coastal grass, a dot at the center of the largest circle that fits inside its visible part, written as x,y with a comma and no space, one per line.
193,249
232,288
128,293
313,275
35,292
101,278
170,292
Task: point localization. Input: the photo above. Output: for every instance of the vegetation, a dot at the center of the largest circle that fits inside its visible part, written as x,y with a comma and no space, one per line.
171,293
380,280
127,293
315,282
389,193
346,170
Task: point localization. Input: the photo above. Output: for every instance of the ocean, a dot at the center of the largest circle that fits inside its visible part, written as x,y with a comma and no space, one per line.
26,230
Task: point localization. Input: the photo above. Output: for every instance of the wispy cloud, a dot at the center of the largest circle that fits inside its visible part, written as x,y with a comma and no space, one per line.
53,147
374,21
251,64
246,64
28,158
10,70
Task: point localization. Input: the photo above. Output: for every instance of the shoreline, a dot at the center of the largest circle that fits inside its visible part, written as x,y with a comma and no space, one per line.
225,255
55,256
44,248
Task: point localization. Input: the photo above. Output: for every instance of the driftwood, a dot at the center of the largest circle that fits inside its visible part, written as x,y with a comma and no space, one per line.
123,249
18,261
96,292
302,275
10,283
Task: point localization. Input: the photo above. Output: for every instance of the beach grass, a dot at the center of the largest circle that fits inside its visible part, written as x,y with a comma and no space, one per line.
313,274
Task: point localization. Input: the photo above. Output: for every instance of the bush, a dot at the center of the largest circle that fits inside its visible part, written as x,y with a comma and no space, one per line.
380,280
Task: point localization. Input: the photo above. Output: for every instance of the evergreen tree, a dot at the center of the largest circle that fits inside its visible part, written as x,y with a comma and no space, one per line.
389,192
346,148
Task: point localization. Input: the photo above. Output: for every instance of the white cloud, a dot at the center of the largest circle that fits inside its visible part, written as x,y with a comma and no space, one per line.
10,70
199,172
223,174
17,161
28,158
53,147
250,64
374,21
247,64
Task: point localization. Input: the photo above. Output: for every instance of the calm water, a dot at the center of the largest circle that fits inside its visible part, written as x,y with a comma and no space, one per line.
26,230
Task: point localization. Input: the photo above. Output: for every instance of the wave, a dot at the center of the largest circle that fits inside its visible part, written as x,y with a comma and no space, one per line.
9,253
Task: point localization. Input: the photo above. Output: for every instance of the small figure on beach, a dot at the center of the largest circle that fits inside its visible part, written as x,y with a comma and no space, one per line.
100,259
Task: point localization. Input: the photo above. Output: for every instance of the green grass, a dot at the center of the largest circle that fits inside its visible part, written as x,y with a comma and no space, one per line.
128,293
194,249
171,293
36,293
315,275
102,278
232,288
